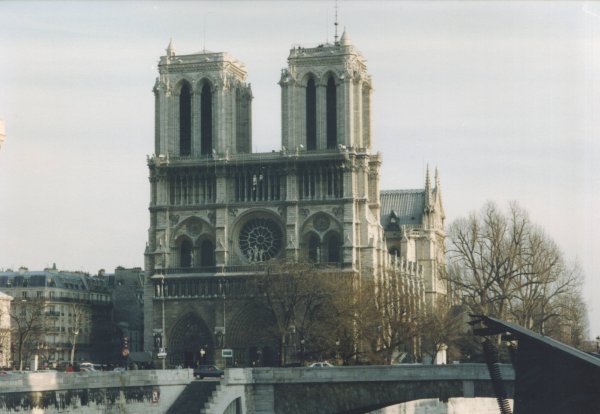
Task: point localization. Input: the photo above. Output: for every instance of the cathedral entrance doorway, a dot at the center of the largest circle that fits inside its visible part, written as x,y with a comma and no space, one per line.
191,343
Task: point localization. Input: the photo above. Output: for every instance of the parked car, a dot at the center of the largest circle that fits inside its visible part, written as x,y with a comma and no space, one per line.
119,369
322,364
87,367
212,371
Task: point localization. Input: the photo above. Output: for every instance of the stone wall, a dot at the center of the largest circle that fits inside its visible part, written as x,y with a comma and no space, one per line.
148,391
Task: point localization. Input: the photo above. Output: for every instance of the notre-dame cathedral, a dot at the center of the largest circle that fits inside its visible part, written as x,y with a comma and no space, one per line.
218,211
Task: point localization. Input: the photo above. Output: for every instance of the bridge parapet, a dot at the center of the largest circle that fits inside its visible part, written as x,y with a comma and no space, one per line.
369,373
148,391
360,388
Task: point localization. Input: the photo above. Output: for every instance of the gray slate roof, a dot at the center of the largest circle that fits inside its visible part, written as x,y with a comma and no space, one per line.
407,204
54,279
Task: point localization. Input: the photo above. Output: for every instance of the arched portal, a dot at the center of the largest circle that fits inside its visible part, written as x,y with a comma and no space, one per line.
250,334
188,338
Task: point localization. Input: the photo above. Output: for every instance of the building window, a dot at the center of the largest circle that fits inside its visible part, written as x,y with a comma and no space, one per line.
331,109
314,249
334,248
185,253
311,115
185,120
207,253
206,125
260,240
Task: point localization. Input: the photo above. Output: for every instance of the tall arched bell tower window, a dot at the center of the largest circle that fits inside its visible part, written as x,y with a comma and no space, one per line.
311,115
206,120
331,109
185,120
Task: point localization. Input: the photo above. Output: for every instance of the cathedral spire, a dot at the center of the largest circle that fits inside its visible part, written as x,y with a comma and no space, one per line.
438,193
429,205
345,39
170,49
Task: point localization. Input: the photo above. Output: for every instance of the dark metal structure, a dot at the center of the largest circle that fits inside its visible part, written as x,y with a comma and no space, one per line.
550,377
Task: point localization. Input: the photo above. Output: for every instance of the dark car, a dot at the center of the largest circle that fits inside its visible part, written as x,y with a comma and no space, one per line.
208,371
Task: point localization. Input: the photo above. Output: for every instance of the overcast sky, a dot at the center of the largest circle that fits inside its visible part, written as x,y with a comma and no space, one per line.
501,96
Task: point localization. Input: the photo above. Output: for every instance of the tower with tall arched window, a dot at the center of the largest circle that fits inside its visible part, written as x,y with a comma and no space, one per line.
326,98
202,105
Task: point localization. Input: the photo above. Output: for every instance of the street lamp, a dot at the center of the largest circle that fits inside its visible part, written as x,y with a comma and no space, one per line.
302,342
598,344
164,336
337,350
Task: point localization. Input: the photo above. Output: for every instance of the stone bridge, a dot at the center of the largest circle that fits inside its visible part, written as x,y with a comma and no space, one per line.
356,389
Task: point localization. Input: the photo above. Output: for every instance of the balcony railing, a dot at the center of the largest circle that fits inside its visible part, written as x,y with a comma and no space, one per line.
247,268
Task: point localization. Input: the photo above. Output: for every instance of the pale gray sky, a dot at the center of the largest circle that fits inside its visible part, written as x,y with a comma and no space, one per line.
502,96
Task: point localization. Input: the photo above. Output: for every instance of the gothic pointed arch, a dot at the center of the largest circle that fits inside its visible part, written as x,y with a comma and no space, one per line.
206,117
249,334
313,245
331,112
185,118
207,253
311,113
332,247
190,334
184,252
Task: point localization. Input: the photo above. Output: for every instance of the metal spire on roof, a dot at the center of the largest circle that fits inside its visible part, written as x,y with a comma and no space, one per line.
335,37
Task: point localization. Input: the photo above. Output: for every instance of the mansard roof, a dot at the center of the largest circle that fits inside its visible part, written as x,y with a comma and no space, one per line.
408,206
52,279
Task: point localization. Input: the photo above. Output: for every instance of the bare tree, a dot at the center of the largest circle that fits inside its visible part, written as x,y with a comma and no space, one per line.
300,301
386,319
78,312
27,326
502,265
440,329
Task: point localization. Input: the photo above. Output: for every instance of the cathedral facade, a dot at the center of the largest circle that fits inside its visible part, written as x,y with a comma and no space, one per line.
219,211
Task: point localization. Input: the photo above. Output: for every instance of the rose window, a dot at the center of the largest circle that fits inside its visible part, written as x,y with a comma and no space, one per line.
260,240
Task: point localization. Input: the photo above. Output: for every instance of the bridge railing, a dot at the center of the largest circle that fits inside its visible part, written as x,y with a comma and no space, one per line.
366,373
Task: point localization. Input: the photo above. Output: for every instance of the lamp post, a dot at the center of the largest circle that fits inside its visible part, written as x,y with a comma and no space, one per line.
164,336
302,342
337,350
598,344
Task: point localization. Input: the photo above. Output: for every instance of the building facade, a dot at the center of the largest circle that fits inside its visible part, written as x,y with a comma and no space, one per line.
70,312
5,333
219,211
